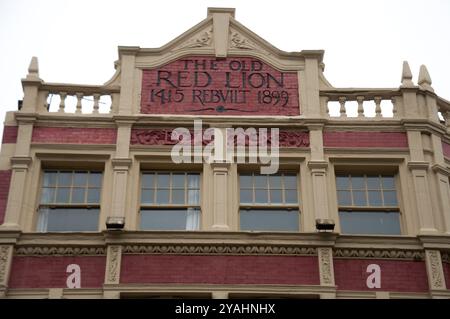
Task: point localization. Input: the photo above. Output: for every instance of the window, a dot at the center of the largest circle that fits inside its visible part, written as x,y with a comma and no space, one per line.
70,201
170,201
269,202
368,204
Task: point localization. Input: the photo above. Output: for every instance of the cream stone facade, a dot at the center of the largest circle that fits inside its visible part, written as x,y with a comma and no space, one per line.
403,132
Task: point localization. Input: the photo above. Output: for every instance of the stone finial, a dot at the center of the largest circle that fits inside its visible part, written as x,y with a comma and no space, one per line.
425,79
406,75
33,69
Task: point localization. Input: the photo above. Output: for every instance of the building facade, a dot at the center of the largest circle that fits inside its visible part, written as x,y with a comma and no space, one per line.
100,198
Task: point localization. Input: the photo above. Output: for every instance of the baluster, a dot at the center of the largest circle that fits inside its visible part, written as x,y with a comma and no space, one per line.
377,100
327,109
342,110
360,100
96,99
79,97
114,108
62,103
46,105
394,106
446,116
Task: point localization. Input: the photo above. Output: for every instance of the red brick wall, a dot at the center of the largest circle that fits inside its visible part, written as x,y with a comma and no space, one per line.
9,134
50,271
402,276
446,267
5,178
74,135
364,139
446,149
224,92
220,269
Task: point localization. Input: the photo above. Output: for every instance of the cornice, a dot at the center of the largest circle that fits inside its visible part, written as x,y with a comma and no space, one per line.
25,118
418,165
318,165
440,169
20,161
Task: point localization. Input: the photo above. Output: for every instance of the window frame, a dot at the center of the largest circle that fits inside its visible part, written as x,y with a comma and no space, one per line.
370,208
264,206
68,205
168,206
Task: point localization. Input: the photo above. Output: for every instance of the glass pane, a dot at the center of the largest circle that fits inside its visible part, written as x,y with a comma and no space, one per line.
246,196
162,196
276,197
95,179
269,220
261,196
47,195
70,219
193,196
148,180
178,196
291,196
342,182
388,182
62,195
358,182
169,219
344,198
80,179
65,179
193,181
162,180
245,181
390,198
178,180
50,178
78,195
290,181
93,195
370,223
147,196
375,198
275,181
359,198
260,181
373,182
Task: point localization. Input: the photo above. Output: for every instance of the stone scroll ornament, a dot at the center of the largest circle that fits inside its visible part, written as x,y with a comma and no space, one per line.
204,85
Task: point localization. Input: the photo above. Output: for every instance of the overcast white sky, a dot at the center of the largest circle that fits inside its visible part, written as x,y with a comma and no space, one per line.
365,42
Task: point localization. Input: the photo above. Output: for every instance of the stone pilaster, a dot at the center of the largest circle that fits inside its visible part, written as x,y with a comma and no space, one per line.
220,196
20,165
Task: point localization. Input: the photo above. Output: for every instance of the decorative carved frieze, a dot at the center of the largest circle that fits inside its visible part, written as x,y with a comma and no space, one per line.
4,255
225,249
114,256
58,251
163,137
435,272
326,266
378,253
